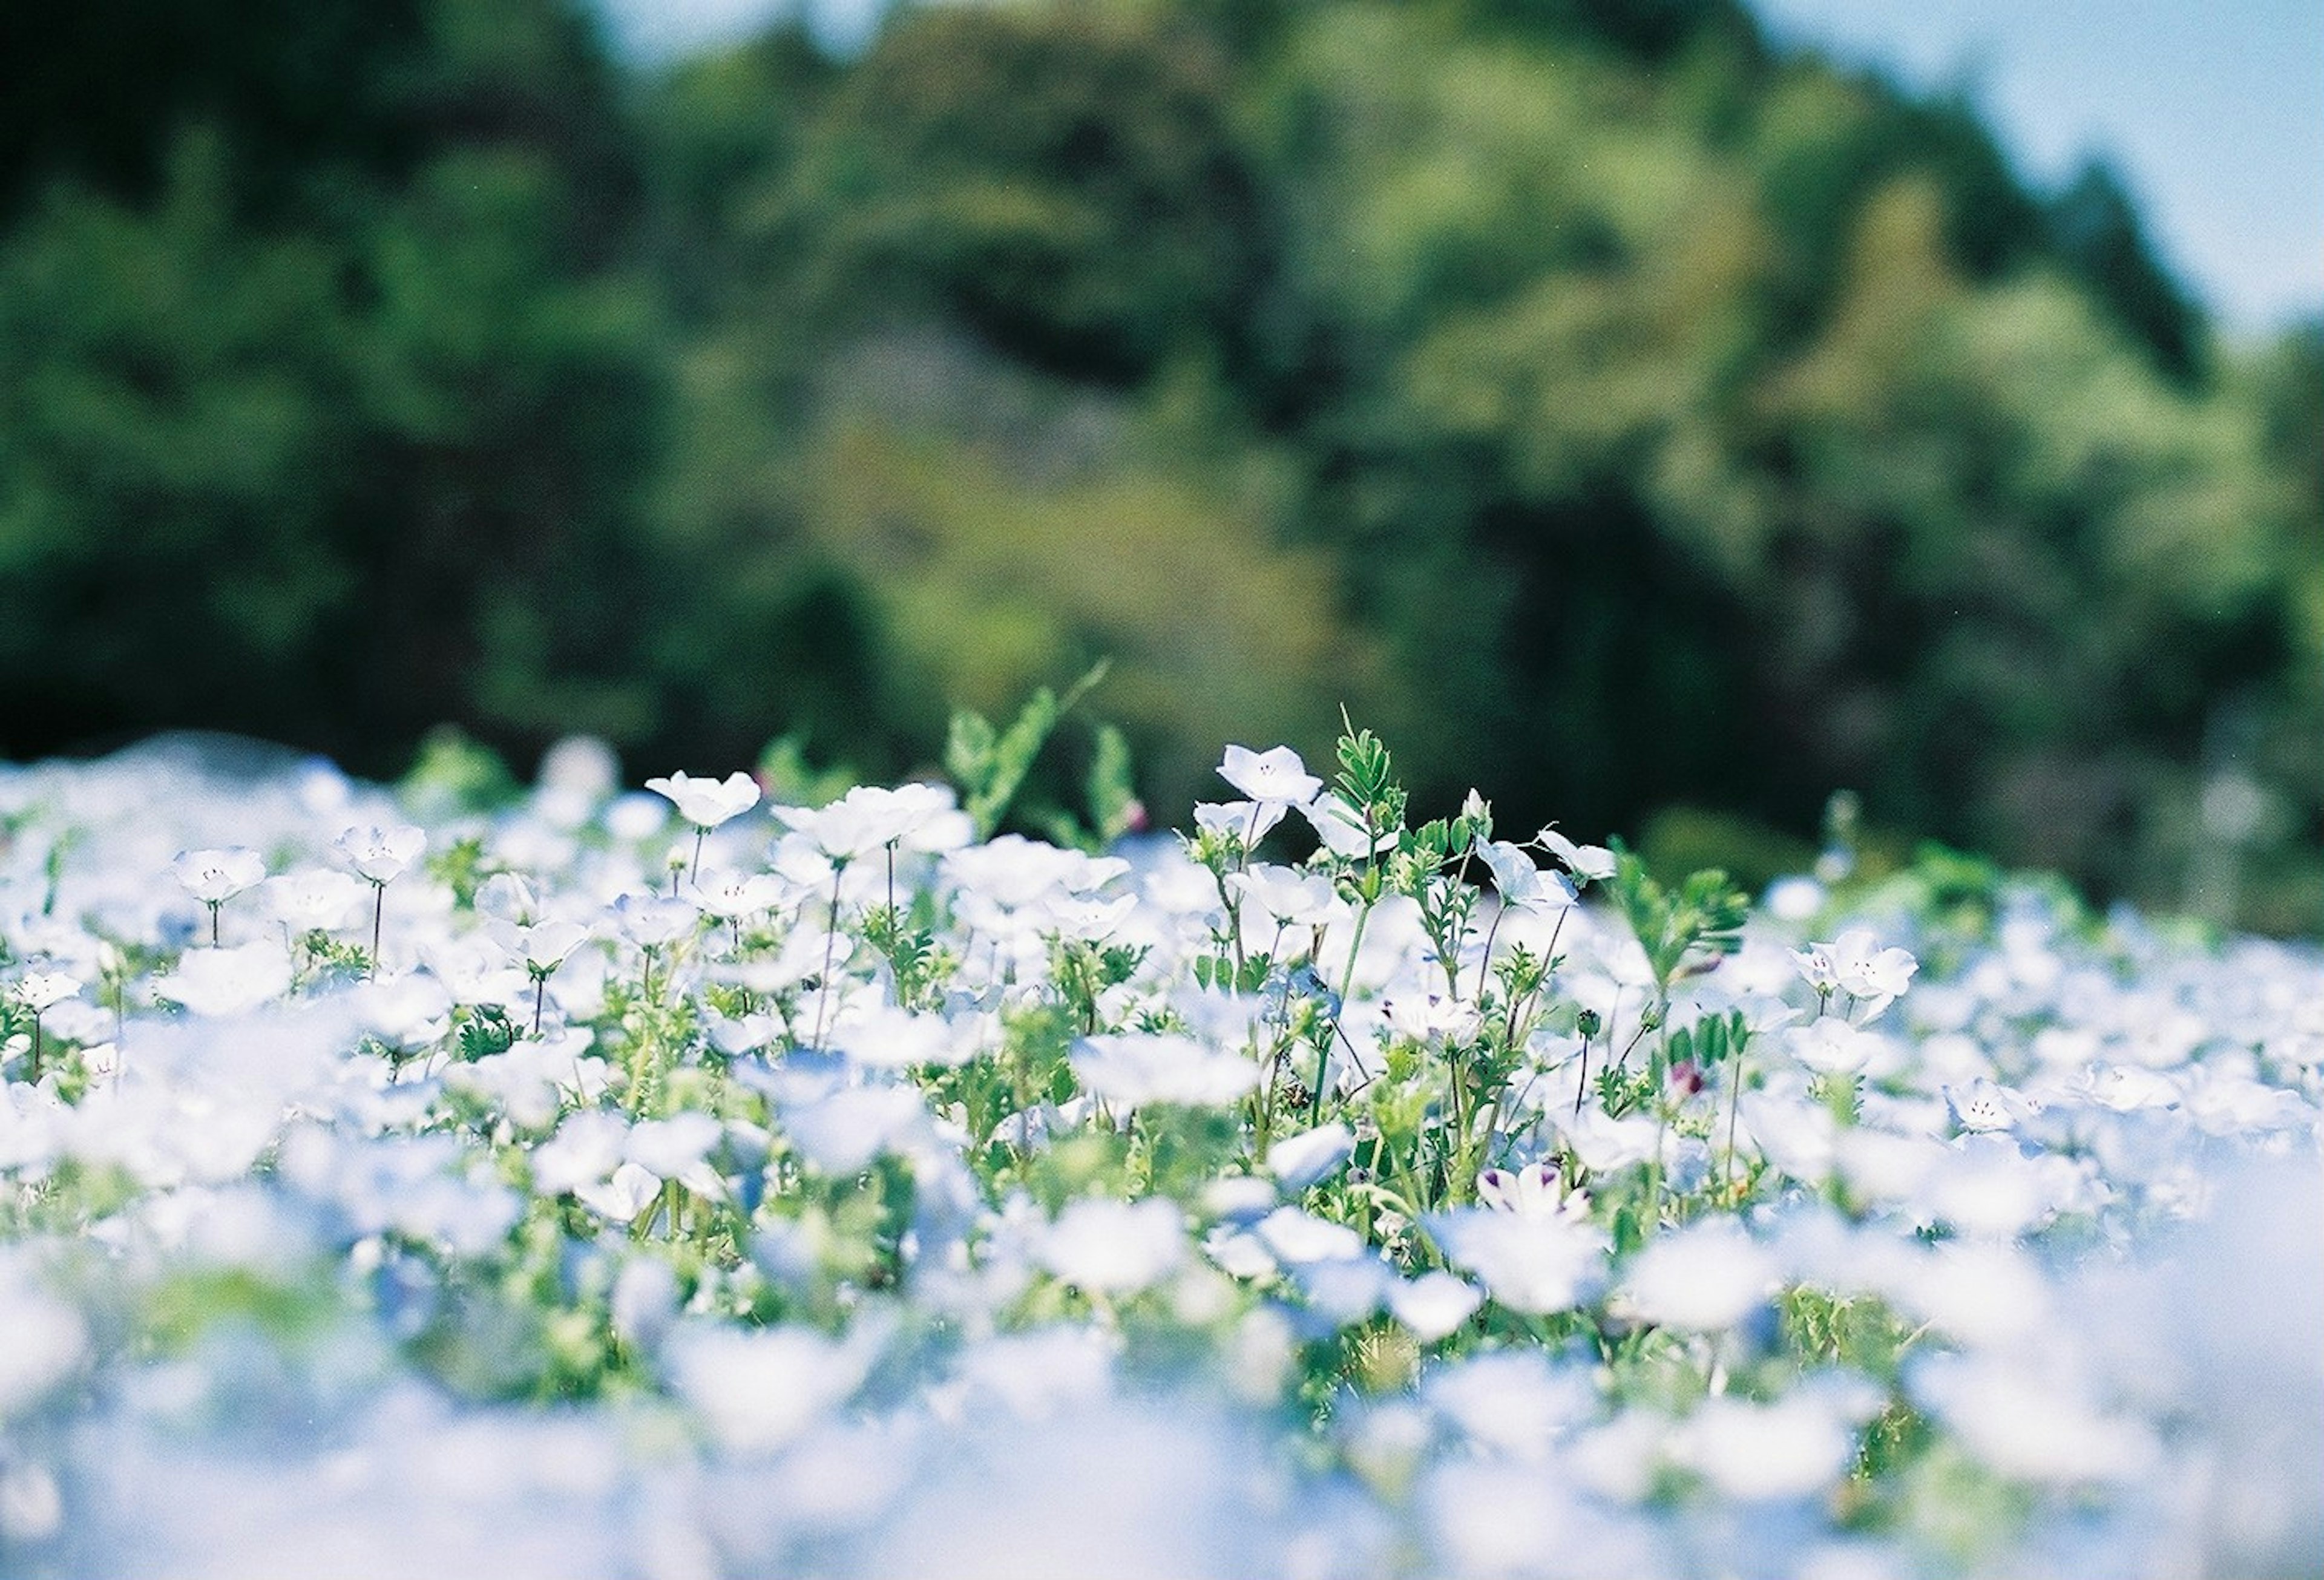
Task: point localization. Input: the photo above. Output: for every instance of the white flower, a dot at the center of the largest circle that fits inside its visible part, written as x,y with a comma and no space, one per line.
1298,1238
1535,1191
654,921
544,945
215,876
1590,863
760,1391
1980,1105
1340,828
228,981
1856,965
1532,1263
1276,775
1289,898
1133,1070
46,1341
1523,886
629,1191
707,803
1114,1247
1298,1162
866,819
1794,1448
1829,1045
1705,1277
40,990
316,901
382,854
1247,822
737,897
1422,1014
1433,1304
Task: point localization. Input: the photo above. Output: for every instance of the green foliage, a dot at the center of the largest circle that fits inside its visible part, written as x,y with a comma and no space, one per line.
1621,411
991,766
1683,930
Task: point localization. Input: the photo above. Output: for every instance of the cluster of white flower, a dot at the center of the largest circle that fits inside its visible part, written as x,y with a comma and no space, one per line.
822,1189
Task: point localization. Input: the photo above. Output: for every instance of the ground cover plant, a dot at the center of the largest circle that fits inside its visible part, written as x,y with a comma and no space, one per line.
685,1182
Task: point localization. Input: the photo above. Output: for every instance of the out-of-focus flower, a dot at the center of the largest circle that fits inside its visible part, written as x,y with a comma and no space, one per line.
218,982
1114,1247
1133,1070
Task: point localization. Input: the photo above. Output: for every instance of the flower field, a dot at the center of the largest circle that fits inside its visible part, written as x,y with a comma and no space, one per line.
667,1183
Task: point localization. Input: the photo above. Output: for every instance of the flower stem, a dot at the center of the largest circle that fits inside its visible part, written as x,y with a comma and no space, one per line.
830,949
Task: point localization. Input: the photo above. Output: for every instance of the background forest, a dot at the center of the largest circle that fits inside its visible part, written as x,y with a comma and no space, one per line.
1657,429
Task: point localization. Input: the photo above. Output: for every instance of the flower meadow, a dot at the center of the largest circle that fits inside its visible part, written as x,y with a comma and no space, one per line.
670,1182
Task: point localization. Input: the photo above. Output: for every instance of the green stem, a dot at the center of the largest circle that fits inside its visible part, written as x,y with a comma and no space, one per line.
830,950
1734,1107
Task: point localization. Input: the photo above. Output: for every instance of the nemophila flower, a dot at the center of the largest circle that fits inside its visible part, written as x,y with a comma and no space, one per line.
1288,898
886,1037
1588,863
1981,1105
1000,881
1089,918
216,877
840,1133
1536,1264
1831,1045
1426,1015
1702,1277
217,982
1796,1446
1276,775
707,803
1522,885
1339,827
654,921
674,1147
213,876
587,1149
1114,1247
1855,964
1296,1238
1512,1402
865,820
1307,1159
1537,1189
2031,1423
544,946
317,900
761,1390
380,854
739,896
43,988
47,1340
1132,1070
1434,1305
636,816
1245,822
407,1011
628,1190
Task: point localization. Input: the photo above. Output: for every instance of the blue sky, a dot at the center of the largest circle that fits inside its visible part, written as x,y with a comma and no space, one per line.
2212,111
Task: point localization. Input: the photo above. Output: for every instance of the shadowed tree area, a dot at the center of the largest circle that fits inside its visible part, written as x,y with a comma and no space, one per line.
1621,414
